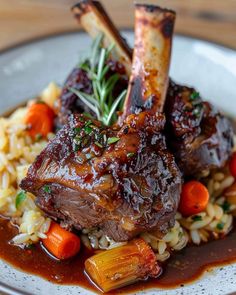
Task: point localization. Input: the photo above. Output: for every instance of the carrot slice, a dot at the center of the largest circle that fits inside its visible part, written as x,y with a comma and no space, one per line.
194,198
232,165
61,243
39,120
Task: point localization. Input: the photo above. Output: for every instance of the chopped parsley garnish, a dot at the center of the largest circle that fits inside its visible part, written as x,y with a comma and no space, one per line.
98,144
77,129
112,140
220,226
86,134
77,139
81,119
130,155
77,143
197,218
76,147
88,130
20,198
89,122
226,206
194,95
47,189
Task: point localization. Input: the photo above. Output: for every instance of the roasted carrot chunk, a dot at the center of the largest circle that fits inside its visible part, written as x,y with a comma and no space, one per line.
194,198
61,243
123,265
39,120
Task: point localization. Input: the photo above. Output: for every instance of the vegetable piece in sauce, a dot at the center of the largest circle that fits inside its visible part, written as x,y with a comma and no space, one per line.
123,265
39,120
194,198
61,243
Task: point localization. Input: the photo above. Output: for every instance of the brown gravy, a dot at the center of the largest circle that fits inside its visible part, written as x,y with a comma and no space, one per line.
184,267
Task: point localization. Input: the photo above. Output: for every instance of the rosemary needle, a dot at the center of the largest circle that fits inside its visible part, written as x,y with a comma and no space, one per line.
101,101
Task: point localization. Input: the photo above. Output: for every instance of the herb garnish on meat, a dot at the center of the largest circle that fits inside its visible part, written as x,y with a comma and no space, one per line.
194,95
112,140
101,102
47,189
90,133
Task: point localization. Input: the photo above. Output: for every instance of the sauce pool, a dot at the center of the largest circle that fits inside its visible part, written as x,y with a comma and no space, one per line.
182,268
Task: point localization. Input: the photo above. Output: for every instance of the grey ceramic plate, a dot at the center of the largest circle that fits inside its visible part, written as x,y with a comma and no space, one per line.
26,70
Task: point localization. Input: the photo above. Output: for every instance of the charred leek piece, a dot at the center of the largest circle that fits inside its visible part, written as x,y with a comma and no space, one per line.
151,59
94,19
122,266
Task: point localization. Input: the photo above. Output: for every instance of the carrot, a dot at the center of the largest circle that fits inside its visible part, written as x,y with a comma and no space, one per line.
39,120
194,198
232,165
61,243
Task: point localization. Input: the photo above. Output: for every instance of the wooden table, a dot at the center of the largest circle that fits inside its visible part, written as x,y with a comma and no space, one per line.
24,20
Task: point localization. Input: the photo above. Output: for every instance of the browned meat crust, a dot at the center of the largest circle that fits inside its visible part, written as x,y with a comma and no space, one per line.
124,188
200,137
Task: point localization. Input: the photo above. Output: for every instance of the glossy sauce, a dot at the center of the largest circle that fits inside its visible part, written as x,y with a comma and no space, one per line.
184,267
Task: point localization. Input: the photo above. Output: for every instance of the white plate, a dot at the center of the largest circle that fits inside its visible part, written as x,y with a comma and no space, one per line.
26,70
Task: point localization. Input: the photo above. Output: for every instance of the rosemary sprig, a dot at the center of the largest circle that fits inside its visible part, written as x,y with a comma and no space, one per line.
101,101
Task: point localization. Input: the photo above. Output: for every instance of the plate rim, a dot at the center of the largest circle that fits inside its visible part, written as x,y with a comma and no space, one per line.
6,289
125,29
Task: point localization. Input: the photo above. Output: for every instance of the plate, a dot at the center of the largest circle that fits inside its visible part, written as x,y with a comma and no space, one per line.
27,69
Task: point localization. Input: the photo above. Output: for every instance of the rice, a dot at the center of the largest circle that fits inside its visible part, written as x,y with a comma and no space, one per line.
163,257
17,152
175,240
196,239
213,222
